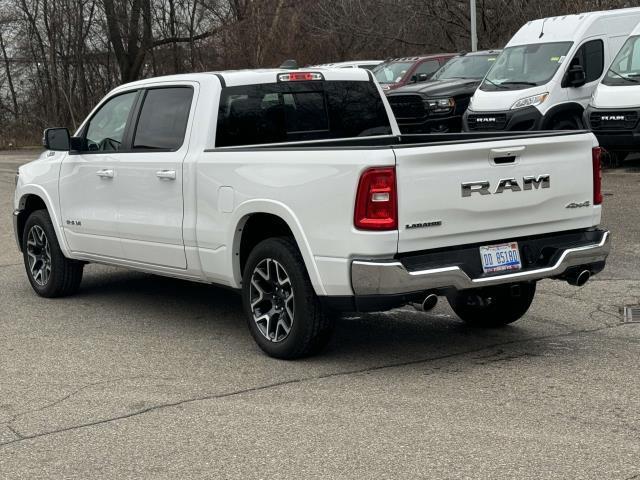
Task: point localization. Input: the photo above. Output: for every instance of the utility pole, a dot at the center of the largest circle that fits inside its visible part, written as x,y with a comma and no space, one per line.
474,28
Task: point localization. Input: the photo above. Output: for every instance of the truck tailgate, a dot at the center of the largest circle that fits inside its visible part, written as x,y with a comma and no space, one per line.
435,211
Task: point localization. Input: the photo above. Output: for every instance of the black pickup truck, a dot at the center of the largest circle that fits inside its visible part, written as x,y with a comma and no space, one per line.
437,105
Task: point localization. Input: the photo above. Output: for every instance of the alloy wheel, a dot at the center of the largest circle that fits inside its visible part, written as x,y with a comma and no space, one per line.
39,255
271,300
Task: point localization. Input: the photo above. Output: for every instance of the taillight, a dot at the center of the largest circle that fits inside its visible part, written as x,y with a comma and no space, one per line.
377,200
596,156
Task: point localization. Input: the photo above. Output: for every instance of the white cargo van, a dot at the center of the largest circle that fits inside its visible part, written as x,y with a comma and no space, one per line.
546,74
614,110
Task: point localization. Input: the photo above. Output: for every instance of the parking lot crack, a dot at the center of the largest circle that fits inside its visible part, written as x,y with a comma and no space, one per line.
65,398
15,432
274,385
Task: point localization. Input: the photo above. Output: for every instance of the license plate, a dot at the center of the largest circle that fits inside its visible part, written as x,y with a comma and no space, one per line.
498,258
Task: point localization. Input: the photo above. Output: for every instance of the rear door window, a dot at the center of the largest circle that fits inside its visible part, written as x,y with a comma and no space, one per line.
296,111
163,119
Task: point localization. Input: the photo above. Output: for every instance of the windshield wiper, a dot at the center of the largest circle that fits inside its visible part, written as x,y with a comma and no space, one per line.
623,77
499,85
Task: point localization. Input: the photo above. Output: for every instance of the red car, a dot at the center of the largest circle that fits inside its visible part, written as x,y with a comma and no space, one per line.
396,72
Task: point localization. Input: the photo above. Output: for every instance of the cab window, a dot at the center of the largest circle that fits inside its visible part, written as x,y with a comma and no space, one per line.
591,56
106,128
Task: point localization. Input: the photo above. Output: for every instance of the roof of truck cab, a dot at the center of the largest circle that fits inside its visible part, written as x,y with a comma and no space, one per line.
568,28
247,77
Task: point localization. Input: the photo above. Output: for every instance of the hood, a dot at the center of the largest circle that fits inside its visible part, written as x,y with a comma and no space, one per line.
623,96
442,88
502,100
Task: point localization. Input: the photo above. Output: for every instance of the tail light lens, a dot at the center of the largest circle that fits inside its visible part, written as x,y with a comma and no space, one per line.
597,175
377,200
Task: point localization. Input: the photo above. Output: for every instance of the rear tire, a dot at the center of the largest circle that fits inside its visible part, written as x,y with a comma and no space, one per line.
283,312
50,273
493,307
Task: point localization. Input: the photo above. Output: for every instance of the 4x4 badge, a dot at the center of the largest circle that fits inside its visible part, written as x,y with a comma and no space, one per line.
586,203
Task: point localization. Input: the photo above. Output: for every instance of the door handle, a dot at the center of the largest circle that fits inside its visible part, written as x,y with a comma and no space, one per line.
166,174
105,173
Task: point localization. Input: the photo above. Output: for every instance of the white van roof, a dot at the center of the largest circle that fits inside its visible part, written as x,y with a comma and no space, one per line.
569,28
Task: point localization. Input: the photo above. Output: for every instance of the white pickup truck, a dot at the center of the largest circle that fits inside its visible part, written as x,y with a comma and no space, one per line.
297,188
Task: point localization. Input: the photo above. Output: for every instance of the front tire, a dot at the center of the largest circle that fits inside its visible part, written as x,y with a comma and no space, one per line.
50,273
614,159
493,307
283,312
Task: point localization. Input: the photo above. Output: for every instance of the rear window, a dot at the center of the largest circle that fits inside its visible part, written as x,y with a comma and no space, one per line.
296,111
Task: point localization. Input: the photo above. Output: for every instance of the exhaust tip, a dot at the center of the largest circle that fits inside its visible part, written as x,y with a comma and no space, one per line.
429,302
579,278
583,278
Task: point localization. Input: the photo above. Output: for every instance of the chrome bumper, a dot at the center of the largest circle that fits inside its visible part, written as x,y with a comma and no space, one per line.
391,277
16,214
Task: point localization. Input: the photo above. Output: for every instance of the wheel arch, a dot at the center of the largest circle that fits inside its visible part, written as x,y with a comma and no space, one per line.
34,198
569,109
251,217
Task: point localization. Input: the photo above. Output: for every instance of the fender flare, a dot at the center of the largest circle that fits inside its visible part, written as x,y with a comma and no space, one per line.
40,192
563,108
240,216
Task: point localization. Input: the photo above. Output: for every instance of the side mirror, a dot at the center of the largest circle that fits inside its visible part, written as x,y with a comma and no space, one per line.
423,77
56,139
413,79
576,76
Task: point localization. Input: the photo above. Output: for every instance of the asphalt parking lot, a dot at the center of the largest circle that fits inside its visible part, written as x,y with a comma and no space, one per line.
140,376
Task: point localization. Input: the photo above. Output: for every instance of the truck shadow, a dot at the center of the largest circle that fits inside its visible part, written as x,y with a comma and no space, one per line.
202,309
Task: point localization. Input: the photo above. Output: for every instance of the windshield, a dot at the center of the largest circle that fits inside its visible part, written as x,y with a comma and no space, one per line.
525,66
625,69
475,66
391,72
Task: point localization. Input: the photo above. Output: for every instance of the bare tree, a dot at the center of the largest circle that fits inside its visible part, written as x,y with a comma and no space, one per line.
59,57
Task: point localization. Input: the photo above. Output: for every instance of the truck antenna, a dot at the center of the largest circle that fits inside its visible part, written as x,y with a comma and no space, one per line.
542,29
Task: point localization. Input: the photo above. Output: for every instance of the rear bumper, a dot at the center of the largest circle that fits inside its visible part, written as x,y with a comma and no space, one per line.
396,277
